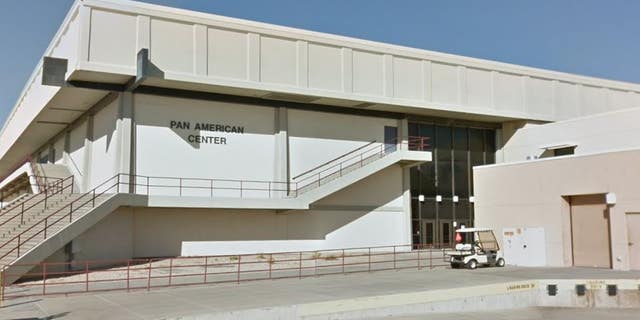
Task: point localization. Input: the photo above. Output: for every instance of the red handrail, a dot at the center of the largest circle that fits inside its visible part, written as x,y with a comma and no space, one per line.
47,186
417,143
47,196
45,219
147,273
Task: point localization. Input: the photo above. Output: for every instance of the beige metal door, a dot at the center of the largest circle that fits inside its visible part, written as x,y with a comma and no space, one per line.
633,235
590,231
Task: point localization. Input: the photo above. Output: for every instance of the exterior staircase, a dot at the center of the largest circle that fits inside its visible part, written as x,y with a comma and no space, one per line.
34,227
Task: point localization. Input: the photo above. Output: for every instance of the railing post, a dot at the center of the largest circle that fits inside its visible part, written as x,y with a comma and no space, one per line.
418,258
342,261
118,184
394,257
148,192
86,271
206,267
240,188
269,189
2,283
211,188
93,199
318,179
431,258
239,257
300,266
369,259
270,263
181,186
128,274
18,246
44,278
46,226
171,272
71,213
149,276
22,213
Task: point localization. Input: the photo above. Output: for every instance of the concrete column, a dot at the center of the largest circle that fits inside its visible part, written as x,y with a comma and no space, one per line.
281,170
125,128
86,163
67,146
403,132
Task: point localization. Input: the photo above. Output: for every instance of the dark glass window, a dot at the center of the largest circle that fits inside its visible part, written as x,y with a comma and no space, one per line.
563,151
443,161
460,162
428,209
490,146
455,151
428,233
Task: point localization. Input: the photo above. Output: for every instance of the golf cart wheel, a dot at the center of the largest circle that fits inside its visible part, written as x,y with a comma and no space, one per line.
500,263
472,264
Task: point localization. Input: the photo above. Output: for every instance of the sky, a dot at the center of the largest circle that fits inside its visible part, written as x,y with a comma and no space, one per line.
599,38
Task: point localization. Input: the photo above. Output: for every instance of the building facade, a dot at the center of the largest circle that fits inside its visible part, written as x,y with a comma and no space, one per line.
149,131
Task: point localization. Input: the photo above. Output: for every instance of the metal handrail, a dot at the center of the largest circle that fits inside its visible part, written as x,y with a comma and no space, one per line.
379,150
33,195
332,160
45,219
142,273
59,190
94,193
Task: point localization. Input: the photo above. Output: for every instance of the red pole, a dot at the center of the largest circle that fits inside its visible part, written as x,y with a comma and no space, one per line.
394,257
44,278
431,258
270,263
4,287
86,270
239,257
128,276
300,266
171,271
149,276
206,267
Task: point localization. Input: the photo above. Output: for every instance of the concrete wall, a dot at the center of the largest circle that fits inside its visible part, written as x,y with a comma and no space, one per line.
77,153
316,137
205,48
104,161
618,130
368,213
533,194
171,152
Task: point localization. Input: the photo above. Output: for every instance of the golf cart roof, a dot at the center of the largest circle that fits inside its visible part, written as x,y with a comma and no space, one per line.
473,230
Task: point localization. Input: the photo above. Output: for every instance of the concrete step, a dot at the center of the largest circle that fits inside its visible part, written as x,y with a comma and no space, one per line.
58,218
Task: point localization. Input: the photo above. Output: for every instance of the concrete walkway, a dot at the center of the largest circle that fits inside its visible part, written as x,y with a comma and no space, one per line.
289,295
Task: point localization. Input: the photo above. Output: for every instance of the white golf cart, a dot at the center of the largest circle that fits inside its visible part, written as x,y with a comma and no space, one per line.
477,246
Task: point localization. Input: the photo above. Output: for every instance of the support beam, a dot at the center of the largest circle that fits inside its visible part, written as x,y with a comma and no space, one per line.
125,128
281,170
86,163
403,132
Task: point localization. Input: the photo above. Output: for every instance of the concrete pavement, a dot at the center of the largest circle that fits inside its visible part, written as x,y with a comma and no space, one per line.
287,297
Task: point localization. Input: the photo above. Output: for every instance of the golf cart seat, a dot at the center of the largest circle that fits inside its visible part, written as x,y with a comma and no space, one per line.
464,247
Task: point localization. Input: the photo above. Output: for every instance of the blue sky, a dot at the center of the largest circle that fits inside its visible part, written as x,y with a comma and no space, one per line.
590,37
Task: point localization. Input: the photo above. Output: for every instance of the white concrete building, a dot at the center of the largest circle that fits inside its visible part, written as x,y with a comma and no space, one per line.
150,131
